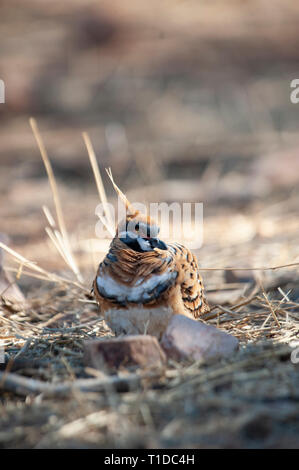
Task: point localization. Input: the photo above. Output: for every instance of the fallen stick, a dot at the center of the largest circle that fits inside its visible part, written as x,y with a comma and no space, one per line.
26,386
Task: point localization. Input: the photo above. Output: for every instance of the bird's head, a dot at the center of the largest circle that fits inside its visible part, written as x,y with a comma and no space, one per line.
138,231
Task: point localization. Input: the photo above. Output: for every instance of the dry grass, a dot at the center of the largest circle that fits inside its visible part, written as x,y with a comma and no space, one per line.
185,404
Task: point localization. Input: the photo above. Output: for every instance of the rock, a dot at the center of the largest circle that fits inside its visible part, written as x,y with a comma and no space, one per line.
232,277
9,290
139,350
139,320
226,297
186,338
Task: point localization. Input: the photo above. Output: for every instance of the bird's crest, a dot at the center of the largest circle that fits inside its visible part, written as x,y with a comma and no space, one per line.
130,210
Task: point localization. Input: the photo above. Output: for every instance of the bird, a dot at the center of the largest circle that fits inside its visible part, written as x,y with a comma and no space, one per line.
142,270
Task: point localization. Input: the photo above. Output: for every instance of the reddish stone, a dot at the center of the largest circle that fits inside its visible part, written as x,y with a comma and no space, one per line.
139,350
187,338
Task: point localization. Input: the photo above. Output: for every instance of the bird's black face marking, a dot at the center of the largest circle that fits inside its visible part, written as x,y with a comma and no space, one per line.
131,242
142,245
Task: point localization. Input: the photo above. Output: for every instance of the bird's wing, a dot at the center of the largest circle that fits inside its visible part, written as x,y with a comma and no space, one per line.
192,289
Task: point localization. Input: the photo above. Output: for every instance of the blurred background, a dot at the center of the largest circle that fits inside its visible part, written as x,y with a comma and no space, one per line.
186,101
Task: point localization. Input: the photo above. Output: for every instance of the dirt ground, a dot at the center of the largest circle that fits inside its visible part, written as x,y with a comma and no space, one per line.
185,101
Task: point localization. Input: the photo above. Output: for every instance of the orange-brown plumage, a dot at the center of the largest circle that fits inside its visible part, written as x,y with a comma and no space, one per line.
140,269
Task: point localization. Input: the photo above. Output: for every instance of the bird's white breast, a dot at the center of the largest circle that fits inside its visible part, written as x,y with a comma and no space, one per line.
141,292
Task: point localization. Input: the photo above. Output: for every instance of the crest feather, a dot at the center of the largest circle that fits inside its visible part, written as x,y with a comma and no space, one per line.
131,211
